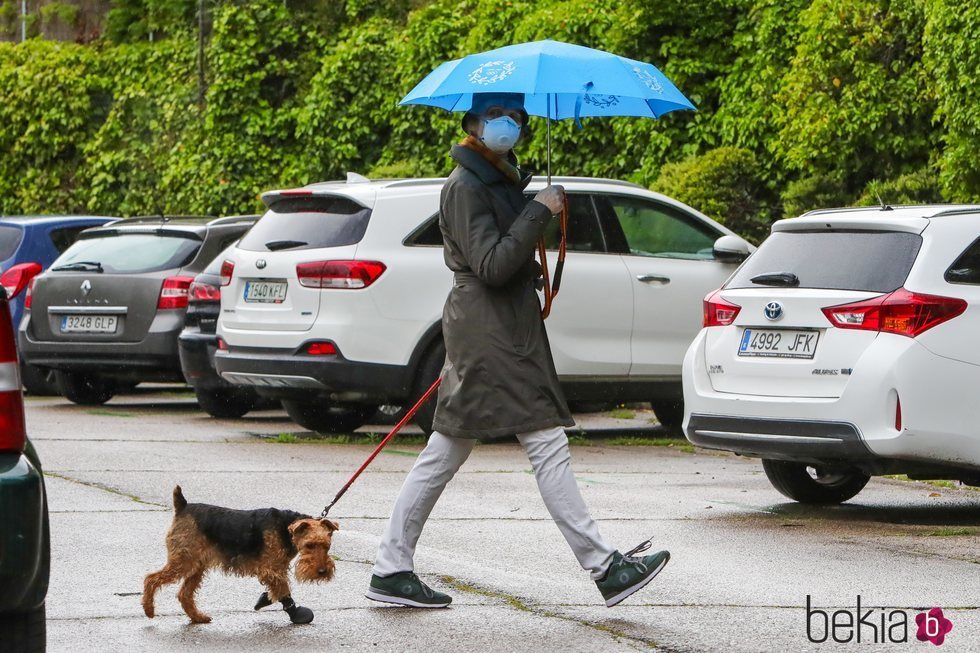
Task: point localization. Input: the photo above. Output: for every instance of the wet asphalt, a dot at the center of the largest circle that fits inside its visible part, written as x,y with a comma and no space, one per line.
744,559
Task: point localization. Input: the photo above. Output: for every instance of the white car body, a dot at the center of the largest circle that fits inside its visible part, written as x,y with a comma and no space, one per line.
621,320
878,401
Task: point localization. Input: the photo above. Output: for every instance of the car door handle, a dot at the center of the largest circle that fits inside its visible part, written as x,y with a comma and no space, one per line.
653,278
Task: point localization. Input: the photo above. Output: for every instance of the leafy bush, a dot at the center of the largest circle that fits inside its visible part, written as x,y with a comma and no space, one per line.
726,184
819,191
919,187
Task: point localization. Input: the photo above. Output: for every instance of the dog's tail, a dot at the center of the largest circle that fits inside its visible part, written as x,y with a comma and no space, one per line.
179,501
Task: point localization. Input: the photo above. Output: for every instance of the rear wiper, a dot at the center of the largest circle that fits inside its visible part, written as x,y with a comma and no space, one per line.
275,245
81,265
776,279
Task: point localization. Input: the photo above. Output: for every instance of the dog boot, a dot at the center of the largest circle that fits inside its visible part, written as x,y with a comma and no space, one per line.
297,613
263,601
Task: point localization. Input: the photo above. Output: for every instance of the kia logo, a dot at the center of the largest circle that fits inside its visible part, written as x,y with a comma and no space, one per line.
774,311
260,264
86,287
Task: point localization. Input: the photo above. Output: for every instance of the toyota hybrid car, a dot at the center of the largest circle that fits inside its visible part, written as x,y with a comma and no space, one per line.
846,347
333,301
108,311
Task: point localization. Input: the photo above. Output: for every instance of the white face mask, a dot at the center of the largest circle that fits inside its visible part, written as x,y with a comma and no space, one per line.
500,134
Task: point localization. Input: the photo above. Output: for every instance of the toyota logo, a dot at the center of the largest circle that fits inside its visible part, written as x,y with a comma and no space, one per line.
86,287
774,311
260,264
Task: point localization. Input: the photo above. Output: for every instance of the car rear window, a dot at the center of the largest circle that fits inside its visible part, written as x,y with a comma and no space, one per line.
966,269
308,223
873,261
129,252
9,240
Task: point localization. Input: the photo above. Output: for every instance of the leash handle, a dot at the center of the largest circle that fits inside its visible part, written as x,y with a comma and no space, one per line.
551,290
408,416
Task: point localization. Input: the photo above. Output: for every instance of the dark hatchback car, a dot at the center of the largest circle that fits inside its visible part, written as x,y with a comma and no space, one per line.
25,543
108,312
198,343
39,239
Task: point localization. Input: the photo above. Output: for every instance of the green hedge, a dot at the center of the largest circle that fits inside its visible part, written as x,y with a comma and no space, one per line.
802,103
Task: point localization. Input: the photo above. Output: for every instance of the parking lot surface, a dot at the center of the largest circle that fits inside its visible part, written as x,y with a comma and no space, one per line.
744,560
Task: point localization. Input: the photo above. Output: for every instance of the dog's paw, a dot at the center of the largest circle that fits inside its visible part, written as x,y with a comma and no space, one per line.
300,615
149,611
201,619
263,601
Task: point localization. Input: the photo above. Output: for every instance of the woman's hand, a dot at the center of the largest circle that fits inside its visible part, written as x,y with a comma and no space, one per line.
552,197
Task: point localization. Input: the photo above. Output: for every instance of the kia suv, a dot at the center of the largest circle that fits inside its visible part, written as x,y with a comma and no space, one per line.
333,301
108,311
25,541
845,347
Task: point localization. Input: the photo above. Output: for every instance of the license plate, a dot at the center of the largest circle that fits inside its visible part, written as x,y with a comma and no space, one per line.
89,323
778,343
266,292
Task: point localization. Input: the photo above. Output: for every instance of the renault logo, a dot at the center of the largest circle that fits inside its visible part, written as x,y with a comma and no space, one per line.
774,311
86,287
260,264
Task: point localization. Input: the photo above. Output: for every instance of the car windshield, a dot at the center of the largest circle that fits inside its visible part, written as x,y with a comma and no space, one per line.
873,261
10,238
308,223
127,253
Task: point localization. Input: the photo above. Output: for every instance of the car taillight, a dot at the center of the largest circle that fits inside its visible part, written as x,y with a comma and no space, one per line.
321,349
13,432
204,292
29,295
717,311
19,276
174,292
351,275
898,414
901,312
227,272
222,345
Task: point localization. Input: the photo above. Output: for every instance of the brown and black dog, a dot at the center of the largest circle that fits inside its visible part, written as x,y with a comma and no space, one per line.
259,543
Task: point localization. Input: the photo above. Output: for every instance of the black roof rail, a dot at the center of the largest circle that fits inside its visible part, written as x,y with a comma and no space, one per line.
164,219
959,211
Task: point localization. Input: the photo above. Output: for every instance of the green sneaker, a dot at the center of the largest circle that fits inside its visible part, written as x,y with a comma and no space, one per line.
405,588
627,574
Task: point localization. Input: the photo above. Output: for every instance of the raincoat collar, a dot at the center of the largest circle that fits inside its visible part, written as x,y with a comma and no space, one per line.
484,169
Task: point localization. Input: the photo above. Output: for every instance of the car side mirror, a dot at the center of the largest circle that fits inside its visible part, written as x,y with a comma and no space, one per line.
731,249
18,277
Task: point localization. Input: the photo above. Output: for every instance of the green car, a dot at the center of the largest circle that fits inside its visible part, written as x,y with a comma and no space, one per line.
25,543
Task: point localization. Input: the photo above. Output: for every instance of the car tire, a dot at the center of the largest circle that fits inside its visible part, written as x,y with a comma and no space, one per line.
38,381
24,631
226,403
814,485
84,389
429,370
325,417
670,414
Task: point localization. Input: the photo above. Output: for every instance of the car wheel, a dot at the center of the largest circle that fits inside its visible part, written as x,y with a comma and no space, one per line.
390,414
226,403
325,417
38,381
429,370
814,484
670,414
24,631
84,389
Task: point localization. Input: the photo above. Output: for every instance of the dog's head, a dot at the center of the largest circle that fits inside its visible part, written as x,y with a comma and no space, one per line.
312,539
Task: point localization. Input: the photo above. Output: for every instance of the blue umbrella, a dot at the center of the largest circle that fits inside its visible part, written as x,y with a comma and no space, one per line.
558,80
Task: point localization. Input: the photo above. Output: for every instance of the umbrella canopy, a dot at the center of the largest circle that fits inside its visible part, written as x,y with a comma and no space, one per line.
558,80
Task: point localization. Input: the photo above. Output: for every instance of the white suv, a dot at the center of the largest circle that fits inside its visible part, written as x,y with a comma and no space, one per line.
846,347
333,301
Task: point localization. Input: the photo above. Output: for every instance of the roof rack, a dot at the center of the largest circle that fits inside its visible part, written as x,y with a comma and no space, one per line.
235,219
951,209
164,219
964,210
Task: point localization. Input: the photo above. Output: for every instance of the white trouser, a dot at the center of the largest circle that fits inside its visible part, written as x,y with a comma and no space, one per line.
548,452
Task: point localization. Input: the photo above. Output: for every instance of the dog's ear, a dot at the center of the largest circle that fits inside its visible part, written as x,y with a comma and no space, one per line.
297,527
330,525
